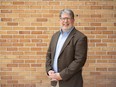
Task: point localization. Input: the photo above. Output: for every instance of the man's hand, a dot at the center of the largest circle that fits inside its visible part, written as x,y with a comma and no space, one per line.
54,76
51,72
58,77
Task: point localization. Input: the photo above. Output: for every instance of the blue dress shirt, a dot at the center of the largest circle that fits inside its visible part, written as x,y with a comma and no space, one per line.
61,40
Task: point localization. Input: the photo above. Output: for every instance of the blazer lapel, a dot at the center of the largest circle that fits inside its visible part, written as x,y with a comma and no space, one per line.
68,40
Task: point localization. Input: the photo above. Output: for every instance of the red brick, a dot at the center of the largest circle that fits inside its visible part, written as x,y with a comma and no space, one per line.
107,32
84,7
30,53
101,36
36,65
6,85
101,28
95,24
112,53
17,53
3,32
41,20
12,49
24,40
2,40
90,3
12,65
114,24
54,3
101,20
6,77
29,28
91,61
41,53
30,36
101,61
18,36
18,11
95,7
18,61
36,49
17,44
24,49
36,40
101,53
6,11
101,69
2,15
96,32
93,40
30,61
100,85
42,36
35,7
6,69
89,28
18,85
112,61
18,3
24,65
12,81
96,16
12,24
112,36
30,11
41,44
12,32
6,44
6,36
95,73
107,7
101,44
24,32
36,32
114,15
111,69
30,85
6,19
6,52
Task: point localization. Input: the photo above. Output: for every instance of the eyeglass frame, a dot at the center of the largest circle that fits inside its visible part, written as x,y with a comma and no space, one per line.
66,18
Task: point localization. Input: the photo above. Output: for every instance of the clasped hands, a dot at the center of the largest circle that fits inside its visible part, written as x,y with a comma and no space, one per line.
54,76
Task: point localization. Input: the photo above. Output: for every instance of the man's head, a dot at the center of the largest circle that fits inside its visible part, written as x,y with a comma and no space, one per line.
66,19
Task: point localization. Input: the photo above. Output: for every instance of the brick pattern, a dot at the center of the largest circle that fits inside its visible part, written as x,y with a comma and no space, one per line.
26,27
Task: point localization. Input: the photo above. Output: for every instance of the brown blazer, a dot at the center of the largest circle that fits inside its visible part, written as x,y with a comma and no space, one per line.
71,59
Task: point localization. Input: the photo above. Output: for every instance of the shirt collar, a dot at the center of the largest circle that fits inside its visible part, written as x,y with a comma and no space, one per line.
66,32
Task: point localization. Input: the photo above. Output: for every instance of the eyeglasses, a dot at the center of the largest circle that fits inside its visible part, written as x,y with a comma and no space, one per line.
63,19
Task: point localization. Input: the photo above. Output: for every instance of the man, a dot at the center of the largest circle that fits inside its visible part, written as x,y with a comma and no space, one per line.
67,53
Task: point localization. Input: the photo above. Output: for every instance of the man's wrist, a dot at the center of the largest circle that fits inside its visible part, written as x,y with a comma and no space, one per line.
58,76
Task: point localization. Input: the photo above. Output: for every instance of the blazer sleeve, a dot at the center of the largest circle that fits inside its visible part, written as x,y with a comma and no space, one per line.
79,59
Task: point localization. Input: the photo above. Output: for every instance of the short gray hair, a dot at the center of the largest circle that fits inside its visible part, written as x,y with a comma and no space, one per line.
67,11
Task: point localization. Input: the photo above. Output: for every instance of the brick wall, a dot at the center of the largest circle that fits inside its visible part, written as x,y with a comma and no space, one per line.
26,27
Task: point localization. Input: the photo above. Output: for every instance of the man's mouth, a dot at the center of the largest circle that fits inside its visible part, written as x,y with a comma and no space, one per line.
65,24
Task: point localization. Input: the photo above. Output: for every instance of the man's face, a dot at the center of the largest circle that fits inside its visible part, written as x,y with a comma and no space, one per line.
66,22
